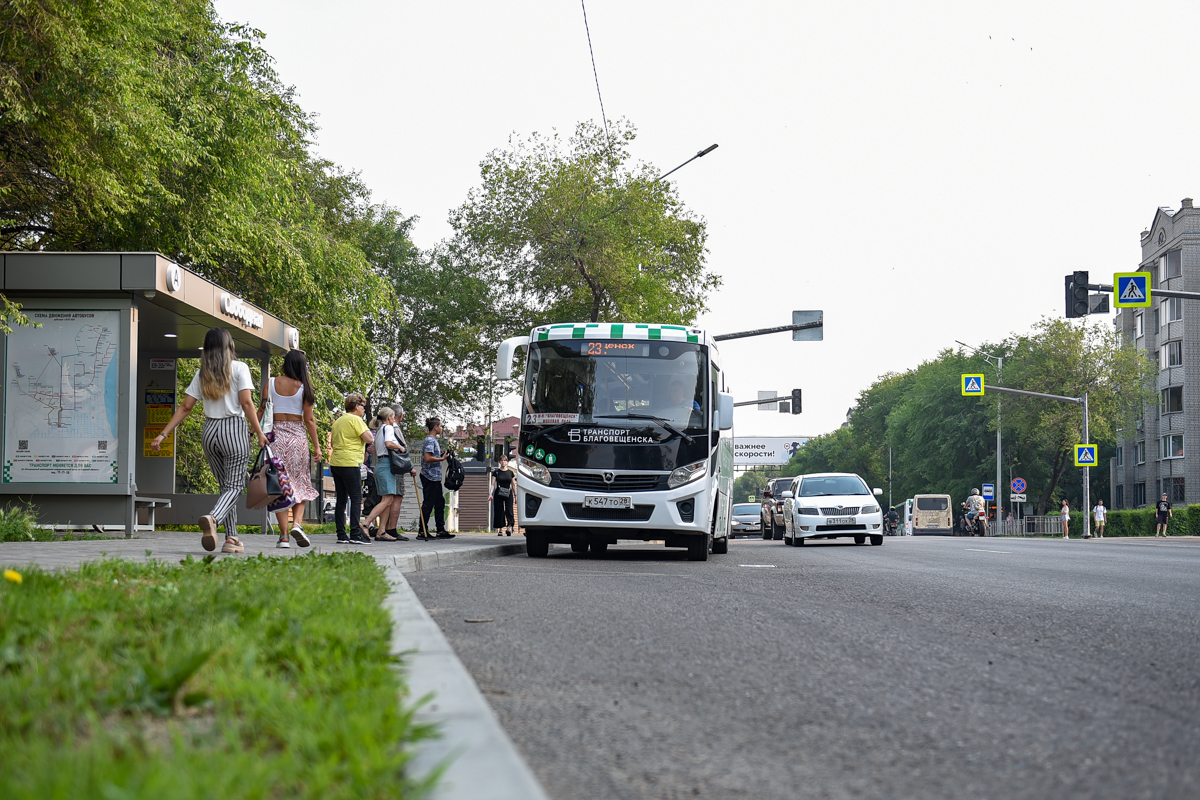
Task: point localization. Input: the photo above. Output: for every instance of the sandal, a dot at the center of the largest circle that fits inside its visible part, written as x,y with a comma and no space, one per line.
233,545
385,537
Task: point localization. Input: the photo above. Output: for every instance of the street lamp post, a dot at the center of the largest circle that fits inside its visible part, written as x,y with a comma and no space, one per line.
999,475
701,154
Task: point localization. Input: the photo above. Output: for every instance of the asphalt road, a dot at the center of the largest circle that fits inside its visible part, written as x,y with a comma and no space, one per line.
925,668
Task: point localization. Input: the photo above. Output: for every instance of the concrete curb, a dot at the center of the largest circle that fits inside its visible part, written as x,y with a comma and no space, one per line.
433,559
481,761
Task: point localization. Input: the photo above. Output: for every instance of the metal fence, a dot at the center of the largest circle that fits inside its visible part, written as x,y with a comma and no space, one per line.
1028,526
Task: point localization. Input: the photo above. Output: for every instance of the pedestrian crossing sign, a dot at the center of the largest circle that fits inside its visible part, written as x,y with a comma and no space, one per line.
1131,289
1085,455
972,385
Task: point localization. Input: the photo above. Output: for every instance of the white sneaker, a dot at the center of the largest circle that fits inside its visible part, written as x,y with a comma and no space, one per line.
299,535
283,543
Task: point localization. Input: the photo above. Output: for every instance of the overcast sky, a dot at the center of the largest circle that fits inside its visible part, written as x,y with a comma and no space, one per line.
920,172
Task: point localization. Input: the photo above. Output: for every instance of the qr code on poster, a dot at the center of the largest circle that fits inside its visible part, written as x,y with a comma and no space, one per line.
22,444
102,445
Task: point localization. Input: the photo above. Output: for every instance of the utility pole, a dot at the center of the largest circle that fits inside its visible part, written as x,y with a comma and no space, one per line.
1087,478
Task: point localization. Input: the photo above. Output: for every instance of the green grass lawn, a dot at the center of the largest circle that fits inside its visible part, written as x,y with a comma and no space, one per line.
233,678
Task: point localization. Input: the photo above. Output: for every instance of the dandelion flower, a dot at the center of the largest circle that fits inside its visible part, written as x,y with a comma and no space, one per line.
12,576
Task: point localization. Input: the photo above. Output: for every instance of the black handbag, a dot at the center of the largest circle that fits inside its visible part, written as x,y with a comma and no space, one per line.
401,463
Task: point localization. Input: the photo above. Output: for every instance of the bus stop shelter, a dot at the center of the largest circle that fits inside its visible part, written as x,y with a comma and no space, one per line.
86,390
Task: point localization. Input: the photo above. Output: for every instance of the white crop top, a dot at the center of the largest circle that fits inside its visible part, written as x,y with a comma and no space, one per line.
287,404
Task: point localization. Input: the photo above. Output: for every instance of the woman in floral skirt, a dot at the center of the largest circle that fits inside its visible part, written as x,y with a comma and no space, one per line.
292,399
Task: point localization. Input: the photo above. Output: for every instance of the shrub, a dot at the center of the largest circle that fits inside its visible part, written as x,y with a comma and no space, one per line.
18,523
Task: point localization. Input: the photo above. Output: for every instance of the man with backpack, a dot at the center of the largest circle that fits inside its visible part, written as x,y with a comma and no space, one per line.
431,482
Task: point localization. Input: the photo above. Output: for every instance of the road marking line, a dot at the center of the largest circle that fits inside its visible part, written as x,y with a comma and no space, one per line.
758,566
975,550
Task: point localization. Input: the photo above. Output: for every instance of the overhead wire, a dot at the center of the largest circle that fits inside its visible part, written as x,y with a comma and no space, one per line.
595,74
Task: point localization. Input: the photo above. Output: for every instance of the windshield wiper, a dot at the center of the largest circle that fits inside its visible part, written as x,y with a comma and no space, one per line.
651,417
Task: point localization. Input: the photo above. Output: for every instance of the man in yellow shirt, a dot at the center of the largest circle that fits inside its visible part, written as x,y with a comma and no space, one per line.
348,439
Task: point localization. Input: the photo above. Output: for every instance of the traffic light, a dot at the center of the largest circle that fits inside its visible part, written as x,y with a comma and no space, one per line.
1077,294
795,401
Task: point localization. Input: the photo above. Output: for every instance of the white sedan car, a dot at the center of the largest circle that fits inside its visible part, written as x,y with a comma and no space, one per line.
831,505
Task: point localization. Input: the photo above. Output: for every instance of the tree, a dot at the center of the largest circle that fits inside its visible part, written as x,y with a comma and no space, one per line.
1066,359
944,443
135,125
435,334
578,233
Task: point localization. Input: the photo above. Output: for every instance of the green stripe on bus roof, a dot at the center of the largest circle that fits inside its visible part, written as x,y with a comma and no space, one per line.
577,333
655,333
617,331
564,325
641,326
693,337
673,327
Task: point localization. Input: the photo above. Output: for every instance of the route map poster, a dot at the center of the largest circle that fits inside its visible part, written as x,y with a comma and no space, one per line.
60,398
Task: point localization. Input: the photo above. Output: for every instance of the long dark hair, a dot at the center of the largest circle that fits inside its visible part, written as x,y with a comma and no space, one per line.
295,366
216,363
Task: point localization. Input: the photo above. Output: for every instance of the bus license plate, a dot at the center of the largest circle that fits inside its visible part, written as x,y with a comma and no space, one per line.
839,520
607,501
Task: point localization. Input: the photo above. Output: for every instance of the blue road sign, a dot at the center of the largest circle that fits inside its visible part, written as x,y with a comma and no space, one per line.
972,385
989,491
1017,485
1085,455
1131,289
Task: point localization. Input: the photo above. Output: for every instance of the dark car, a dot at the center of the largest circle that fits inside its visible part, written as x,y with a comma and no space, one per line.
772,507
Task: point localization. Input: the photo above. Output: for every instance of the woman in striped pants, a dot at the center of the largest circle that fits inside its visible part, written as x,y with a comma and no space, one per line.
223,384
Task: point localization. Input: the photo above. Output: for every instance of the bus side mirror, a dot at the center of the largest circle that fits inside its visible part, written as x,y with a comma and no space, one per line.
504,356
724,419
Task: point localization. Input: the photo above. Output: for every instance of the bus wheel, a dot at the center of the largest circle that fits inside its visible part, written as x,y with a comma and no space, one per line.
579,547
720,546
876,540
536,545
599,548
798,541
860,539
697,549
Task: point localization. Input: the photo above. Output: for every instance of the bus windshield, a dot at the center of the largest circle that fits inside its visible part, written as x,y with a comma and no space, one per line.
615,382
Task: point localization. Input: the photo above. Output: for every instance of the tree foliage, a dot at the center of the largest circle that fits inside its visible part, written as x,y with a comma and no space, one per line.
132,125
573,231
944,443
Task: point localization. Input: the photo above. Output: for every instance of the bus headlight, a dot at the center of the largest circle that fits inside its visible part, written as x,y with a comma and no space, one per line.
532,469
685,475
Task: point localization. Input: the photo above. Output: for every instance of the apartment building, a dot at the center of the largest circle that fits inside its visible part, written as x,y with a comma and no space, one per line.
1163,453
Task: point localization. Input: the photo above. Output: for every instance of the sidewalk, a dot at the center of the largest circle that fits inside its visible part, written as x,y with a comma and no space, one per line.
174,546
483,763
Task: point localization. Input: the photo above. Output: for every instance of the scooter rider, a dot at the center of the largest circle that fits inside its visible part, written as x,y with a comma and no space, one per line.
892,518
976,507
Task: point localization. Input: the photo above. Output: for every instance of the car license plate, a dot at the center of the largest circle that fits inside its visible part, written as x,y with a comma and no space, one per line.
839,520
607,501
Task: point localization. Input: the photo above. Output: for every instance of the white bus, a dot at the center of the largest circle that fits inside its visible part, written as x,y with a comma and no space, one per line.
624,435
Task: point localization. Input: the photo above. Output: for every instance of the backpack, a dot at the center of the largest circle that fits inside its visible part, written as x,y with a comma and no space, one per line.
454,475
